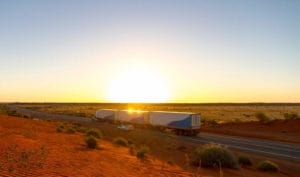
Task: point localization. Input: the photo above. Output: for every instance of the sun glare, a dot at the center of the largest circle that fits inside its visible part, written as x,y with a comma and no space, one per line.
138,85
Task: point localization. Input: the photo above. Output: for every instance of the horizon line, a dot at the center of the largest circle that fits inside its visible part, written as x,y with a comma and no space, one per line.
17,102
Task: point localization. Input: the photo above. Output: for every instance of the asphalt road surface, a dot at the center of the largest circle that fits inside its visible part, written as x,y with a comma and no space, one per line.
259,146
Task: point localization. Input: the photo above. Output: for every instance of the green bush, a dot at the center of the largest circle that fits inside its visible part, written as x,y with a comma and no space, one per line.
244,160
94,132
120,141
59,129
82,129
131,149
181,148
70,130
142,152
61,126
237,120
76,126
268,166
170,162
14,113
262,117
210,122
91,142
27,116
80,114
130,142
291,115
212,155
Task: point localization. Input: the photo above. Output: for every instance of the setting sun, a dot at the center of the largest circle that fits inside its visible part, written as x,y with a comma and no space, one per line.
138,85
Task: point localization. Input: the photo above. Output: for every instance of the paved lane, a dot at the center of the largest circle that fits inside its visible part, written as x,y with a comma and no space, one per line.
260,146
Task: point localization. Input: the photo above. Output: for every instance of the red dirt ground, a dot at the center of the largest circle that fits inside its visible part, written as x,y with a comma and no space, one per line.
278,130
66,154
34,148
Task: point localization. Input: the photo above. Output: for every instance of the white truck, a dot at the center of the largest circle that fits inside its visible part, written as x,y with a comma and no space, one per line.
183,123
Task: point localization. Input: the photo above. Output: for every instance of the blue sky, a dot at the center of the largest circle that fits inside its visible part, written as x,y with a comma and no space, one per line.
204,51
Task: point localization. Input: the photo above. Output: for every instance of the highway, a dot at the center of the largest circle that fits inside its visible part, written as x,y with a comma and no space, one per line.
259,146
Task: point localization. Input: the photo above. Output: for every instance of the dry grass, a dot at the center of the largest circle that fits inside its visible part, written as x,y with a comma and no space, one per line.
268,166
218,112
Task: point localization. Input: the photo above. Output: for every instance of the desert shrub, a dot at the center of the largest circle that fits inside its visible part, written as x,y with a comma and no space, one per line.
170,162
27,116
70,130
3,109
130,142
291,115
22,159
211,155
94,132
246,115
17,114
262,117
11,169
142,152
81,114
181,148
268,166
76,126
91,142
14,113
62,126
203,120
120,141
82,129
210,122
131,149
244,160
59,129
237,120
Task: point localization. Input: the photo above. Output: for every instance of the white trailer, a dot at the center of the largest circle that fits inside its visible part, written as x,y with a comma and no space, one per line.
133,116
106,114
182,122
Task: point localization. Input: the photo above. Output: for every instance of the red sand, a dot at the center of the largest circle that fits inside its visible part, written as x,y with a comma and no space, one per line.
279,130
66,154
34,148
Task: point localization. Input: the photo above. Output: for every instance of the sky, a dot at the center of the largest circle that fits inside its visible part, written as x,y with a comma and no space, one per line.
150,51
